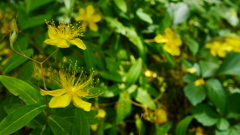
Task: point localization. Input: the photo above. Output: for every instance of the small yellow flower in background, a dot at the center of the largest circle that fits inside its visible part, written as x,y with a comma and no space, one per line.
172,43
199,82
192,70
72,89
88,18
64,33
161,115
234,42
218,48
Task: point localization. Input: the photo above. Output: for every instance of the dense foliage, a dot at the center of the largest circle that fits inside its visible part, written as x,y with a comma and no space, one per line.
119,67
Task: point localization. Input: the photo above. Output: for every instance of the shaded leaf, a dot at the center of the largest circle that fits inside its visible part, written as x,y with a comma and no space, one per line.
19,118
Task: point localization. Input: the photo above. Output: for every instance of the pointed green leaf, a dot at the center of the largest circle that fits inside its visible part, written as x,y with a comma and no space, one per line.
205,114
124,107
59,126
217,94
144,98
183,126
16,61
196,94
134,72
19,118
31,5
144,16
208,68
230,65
223,124
17,87
121,4
114,76
81,124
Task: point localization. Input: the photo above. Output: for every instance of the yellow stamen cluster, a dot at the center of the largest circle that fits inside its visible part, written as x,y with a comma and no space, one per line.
63,34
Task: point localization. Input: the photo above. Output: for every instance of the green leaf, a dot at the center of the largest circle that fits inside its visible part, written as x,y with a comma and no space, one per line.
112,91
144,16
31,5
205,114
196,94
124,107
233,103
189,78
192,44
230,65
16,61
121,4
26,71
217,94
183,126
21,117
29,22
89,58
81,124
223,124
59,126
17,87
134,72
116,76
163,129
144,98
208,68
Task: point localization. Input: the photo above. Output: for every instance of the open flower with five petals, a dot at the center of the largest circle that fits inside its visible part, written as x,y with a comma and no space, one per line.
172,43
63,34
72,89
88,18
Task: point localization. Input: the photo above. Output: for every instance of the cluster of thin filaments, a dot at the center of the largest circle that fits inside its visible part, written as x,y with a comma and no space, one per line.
75,77
64,30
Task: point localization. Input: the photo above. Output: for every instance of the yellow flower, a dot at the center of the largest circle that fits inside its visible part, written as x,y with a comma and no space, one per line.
191,70
172,43
218,48
199,82
234,42
72,89
88,18
161,115
62,34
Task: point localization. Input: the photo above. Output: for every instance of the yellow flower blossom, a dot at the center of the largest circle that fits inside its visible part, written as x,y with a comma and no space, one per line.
88,18
172,43
234,42
72,89
199,82
218,48
191,70
64,34
161,115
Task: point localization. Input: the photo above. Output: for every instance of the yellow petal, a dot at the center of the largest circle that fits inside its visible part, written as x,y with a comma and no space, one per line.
58,92
90,10
52,32
78,42
96,18
169,33
160,39
60,101
62,44
178,41
78,102
172,50
84,25
80,18
51,41
93,26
